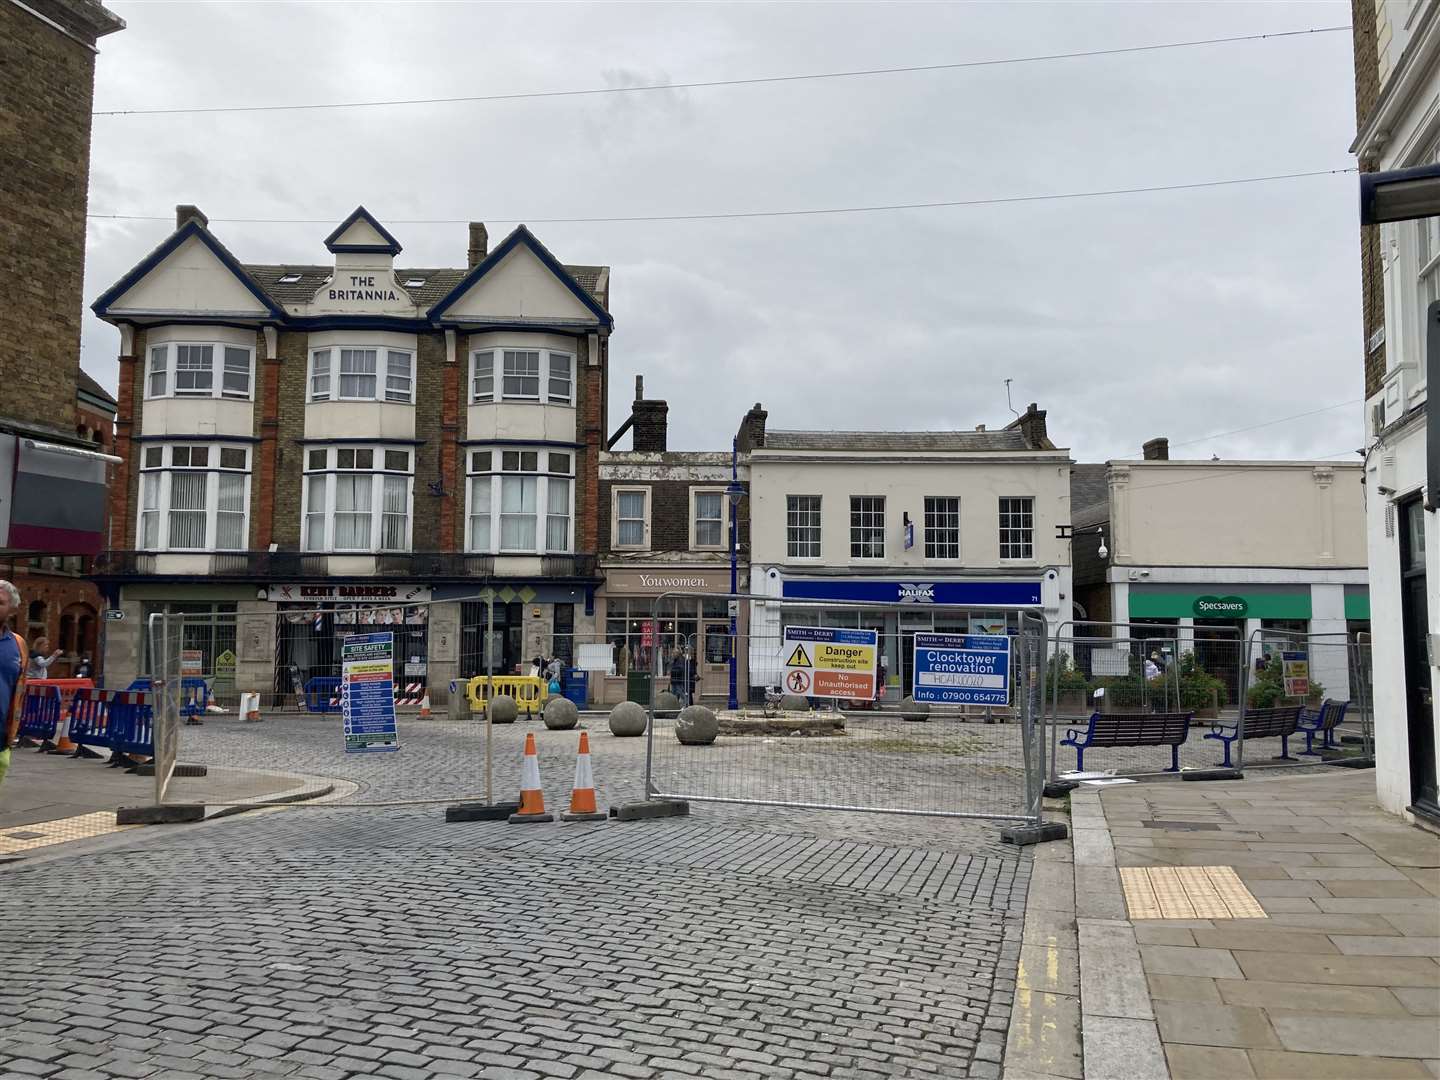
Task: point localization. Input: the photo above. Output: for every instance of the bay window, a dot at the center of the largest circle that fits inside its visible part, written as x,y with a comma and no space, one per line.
195,369
341,373
520,501
194,497
535,375
357,498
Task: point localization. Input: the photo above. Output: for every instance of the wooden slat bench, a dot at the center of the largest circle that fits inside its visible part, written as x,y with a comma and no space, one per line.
1278,723
1138,729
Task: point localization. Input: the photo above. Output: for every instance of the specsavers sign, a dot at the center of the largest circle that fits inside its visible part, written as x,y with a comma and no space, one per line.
824,661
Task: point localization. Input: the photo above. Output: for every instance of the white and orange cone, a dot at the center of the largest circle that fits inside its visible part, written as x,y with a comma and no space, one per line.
425,706
532,799
582,798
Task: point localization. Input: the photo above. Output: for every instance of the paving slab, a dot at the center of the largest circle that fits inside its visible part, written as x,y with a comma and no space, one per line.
1178,960
1207,1063
1401,847
1245,936
1182,988
1048,969
1215,1025
1284,1065
1340,970
1377,1036
1044,1039
1402,889
1301,997
1387,946
1418,1001
1097,893
1155,933
1423,925
1120,1047
1112,979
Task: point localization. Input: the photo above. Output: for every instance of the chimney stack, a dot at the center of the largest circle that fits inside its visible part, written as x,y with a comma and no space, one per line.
184,213
479,245
752,430
1032,426
648,421
1157,449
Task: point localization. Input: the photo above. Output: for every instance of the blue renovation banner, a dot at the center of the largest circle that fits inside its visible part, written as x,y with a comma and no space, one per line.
367,693
962,669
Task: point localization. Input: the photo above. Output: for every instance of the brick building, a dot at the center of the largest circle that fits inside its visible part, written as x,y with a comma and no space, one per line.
351,434
664,530
52,497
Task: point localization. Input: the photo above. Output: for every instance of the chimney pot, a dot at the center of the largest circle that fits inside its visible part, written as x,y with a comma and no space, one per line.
479,244
184,213
1157,449
639,387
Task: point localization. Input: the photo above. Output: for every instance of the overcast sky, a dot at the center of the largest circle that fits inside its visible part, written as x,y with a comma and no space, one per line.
1177,313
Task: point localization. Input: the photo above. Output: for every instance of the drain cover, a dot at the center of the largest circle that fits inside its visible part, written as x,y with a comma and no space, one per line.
1187,892
24,835
1183,826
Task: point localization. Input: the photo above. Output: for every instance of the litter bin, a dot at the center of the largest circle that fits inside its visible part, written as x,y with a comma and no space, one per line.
637,687
577,686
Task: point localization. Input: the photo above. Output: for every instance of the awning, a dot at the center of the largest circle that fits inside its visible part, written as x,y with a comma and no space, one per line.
57,498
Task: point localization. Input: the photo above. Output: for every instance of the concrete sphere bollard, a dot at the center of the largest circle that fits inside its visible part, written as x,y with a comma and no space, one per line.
628,718
667,705
503,710
696,726
561,714
795,703
918,711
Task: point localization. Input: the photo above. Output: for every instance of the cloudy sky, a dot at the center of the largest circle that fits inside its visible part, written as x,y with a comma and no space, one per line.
1182,313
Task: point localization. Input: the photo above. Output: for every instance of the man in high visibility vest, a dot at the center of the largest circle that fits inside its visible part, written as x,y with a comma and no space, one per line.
13,658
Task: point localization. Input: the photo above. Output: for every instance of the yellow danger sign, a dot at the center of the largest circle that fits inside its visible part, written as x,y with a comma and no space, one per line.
838,657
798,658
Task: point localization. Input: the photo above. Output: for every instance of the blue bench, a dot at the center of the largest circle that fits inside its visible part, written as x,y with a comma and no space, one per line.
1126,729
321,692
1323,722
1278,723
40,713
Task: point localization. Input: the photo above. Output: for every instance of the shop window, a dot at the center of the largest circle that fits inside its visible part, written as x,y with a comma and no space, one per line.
867,526
942,527
520,501
358,498
802,526
1017,528
192,369
194,498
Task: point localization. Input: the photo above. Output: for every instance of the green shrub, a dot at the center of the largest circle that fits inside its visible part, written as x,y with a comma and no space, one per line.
1198,688
1060,670
1267,686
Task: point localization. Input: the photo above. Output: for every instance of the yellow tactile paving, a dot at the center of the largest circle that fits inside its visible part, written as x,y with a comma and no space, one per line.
1187,892
17,838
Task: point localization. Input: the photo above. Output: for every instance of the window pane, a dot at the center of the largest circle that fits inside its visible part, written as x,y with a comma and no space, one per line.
522,374
357,373
364,459
867,526
395,513
517,513
397,377
1017,528
557,516
480,513
630,518
231,458
483,388
315,513
529,461
352,512
559,388
194,373
802,526
942,527
345,459
709,519
510,460
180,455
237,371
199,457
157,371
230,513
153,455
560,463
320,375
150,510
317,459
397,460
480,461
187,510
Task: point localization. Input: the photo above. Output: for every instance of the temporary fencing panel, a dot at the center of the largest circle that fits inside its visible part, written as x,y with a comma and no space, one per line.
1324,679
849,752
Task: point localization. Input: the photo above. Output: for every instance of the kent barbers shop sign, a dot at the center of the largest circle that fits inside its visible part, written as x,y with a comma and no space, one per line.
365,591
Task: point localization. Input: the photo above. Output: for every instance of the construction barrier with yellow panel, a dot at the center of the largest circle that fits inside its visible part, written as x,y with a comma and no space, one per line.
529,691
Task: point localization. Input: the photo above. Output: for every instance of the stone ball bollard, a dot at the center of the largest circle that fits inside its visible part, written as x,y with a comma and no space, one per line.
561,714
667,705
918,711
628,718
795,703
696,726
502,709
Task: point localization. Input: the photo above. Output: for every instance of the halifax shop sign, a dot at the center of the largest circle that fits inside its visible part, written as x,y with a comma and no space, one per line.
975,594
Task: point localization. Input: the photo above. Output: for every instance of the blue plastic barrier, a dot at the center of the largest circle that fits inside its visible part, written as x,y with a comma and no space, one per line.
131,725
195,693
142,683
320,692
40,713
90,719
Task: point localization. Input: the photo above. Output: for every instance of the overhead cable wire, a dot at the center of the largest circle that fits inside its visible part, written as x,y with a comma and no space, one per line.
712,83
806,212
1270,423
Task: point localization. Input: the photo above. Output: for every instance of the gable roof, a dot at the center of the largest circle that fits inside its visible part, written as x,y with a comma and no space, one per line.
191,228
522,235
438,281
391,246
88,385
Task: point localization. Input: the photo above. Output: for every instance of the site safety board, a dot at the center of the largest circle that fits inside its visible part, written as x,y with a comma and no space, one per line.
962,669
826,661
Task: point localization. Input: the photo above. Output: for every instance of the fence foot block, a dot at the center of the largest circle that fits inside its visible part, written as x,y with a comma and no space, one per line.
530,819
1034,834
176,814
1058,789
1353,763
1212,774
480,811
568,816
650,808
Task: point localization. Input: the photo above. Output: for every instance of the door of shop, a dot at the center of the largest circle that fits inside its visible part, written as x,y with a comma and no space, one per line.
714,659
1415,620
1215,651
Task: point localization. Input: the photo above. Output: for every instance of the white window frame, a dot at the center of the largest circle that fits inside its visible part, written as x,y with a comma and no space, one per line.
478,473
615,493
819,526
925,521
378,474
168,353
724,544
853,527
542,396
333,375
1004,527
157,481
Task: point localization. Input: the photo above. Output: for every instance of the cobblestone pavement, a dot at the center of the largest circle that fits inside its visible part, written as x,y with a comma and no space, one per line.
347,941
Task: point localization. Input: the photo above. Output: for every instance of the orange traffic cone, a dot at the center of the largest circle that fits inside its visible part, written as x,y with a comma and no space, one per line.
425,706
582,798
532,799
63,743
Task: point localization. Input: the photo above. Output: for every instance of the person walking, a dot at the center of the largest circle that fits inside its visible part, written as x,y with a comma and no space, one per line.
14,659
39,665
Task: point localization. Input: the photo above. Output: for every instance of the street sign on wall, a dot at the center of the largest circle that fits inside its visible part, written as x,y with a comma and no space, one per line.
962,669
827,661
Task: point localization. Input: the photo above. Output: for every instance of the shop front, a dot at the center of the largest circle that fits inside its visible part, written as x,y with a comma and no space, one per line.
692,636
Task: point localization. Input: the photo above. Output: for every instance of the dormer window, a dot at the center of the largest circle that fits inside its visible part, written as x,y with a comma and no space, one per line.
536,375
194,369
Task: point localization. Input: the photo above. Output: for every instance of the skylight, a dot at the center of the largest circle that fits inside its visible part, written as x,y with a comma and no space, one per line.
289,279
414,282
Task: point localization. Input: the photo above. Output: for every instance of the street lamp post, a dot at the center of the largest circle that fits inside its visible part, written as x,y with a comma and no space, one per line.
733,494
